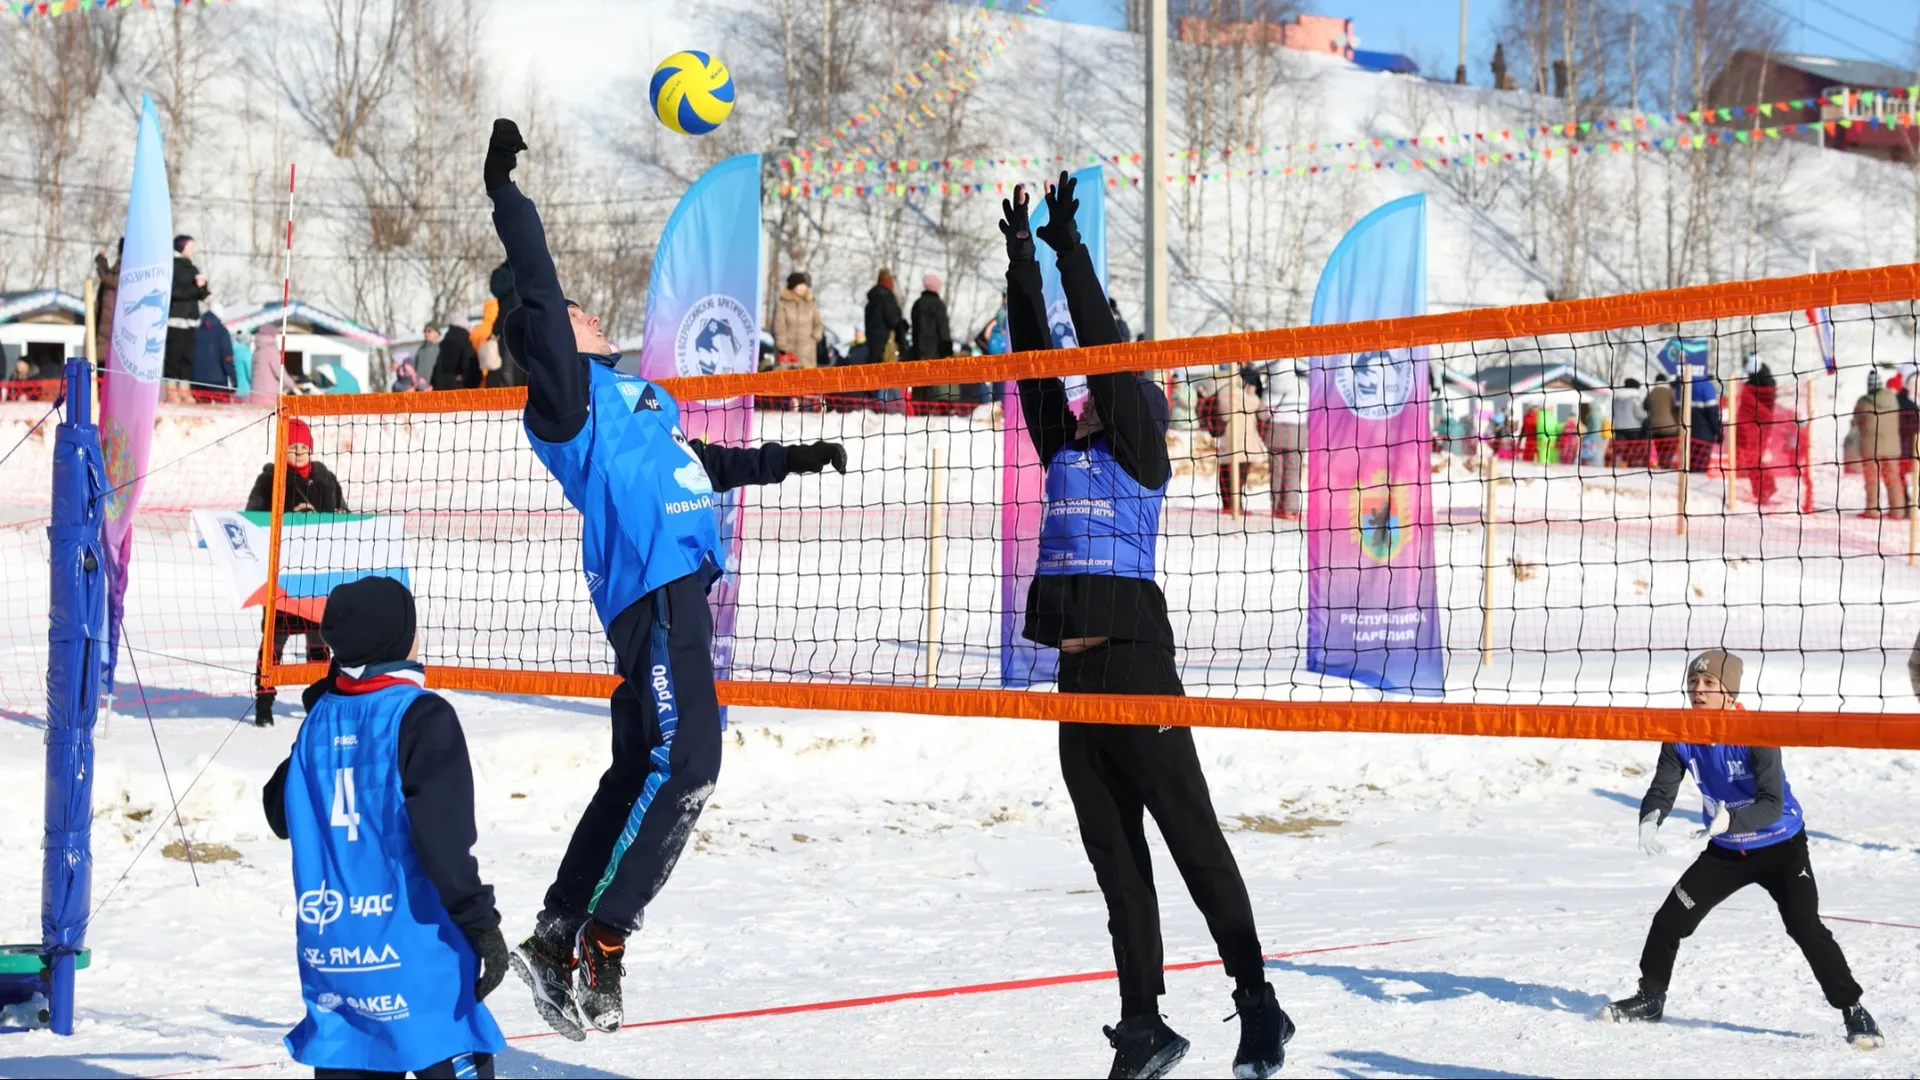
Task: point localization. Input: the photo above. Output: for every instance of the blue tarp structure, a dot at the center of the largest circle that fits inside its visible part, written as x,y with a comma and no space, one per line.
1385,61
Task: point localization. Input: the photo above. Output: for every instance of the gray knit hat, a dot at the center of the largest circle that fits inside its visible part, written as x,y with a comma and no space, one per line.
1721,664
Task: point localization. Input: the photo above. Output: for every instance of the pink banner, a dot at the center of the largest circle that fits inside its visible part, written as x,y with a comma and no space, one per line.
1022,500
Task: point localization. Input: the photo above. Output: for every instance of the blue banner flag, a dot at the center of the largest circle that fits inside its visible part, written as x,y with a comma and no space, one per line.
1372,586
703,318
1694,356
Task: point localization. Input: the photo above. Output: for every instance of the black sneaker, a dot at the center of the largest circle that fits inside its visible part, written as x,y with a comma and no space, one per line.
263,710
1862,1032
545,963
596,982
1641,1008
1144,1048
1265,1029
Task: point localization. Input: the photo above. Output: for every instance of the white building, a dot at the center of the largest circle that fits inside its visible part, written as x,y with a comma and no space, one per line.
336,354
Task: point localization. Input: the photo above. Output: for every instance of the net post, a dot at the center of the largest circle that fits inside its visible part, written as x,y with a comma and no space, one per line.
936,476
1487,508
268,657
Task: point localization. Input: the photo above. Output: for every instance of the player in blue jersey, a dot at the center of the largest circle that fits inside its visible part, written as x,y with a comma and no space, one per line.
1756,835
398,937
651,548
1094,598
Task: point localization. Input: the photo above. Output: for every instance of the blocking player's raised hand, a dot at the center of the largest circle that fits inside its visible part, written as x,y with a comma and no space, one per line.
502,153
815,457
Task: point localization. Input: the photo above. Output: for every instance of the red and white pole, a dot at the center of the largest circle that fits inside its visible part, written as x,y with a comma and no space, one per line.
286,278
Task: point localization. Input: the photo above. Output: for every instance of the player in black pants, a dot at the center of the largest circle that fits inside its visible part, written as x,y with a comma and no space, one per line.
1095,599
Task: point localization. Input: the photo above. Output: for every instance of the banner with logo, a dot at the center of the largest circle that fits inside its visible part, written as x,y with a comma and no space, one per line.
1372,587
1023,476
317,552
1693,356
703,304
137,348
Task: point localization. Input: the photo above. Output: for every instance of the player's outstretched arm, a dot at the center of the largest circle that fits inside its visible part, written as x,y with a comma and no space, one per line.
1043,402
730,467
541,331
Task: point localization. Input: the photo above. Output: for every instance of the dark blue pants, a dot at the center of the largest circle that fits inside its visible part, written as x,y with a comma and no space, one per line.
666,759
463,1067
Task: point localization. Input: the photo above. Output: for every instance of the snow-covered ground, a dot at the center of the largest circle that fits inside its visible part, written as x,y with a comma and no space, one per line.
847,857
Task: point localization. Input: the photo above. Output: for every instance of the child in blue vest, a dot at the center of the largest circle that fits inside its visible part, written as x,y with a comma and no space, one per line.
1756,835
398,937
650,549
1095,599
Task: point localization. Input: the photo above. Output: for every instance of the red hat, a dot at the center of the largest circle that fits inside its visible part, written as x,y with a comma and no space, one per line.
298,434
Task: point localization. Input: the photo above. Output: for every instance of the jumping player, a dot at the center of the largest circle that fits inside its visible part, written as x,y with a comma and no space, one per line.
1755,836
1094,598
645,495
399,939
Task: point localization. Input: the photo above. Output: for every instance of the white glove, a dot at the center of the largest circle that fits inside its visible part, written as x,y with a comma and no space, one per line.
1649,830
1721,819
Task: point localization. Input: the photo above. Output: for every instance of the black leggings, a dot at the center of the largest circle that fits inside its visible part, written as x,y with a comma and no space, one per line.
1785,872
666,759
1116,774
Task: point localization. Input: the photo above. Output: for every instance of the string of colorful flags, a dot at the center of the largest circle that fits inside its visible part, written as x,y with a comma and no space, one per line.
56,8
916,114
807,165
801,188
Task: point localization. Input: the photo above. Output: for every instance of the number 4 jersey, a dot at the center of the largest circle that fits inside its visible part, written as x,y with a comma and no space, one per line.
386,975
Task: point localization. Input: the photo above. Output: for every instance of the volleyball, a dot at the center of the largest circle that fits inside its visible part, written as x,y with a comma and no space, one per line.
692,92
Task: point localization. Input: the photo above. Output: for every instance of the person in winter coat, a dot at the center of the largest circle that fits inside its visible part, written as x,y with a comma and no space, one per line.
886,327
377,800
797,329
513,369
212,361
1909,429
459,365
1548,429
1285,434
311,488
183,320
932,334
1755,419
1629,426
270,378
1126,333
1663,424
426,359
1756,835
1094,598
104,298
1238,406
1876,432
486,343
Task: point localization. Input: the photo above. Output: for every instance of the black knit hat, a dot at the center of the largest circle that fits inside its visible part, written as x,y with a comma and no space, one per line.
370,621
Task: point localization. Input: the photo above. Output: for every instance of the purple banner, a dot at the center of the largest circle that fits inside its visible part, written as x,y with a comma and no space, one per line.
1372,586
1022,501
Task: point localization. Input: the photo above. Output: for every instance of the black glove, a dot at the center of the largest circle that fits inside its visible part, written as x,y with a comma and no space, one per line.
1060,232
815,457
506,143
1015,228
491,946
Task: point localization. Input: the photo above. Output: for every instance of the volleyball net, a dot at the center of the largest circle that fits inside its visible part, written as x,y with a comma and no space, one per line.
1521,556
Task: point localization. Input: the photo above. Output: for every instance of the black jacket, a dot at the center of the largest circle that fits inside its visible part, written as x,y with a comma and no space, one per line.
559,375
458,367
932,336
436,779
1134,416
319,489
884,320
187,294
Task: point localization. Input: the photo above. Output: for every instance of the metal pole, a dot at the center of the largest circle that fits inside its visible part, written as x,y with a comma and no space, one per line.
1460,73
1157,328
936,524
1487,507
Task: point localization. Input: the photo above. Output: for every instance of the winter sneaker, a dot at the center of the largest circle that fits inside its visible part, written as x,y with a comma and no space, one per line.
263,710
596,983
1144,1048
1862,1032
1641,1008
1265,1029
545,963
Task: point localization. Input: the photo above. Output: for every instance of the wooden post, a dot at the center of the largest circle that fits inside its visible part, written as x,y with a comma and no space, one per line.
1731,474
1487,506
1232,494
936,476
1913,515
1683,454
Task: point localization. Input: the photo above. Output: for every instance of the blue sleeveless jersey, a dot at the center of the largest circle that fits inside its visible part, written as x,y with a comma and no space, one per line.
1098,519
1725,777
646,505
387,976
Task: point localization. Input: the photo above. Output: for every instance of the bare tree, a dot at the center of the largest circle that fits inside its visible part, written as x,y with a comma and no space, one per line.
65,62
336,78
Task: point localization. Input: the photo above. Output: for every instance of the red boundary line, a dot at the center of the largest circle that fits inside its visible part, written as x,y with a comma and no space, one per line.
1870,922
860,1002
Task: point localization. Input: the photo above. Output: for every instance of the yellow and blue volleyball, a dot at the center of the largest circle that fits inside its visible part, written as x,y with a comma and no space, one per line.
692,92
